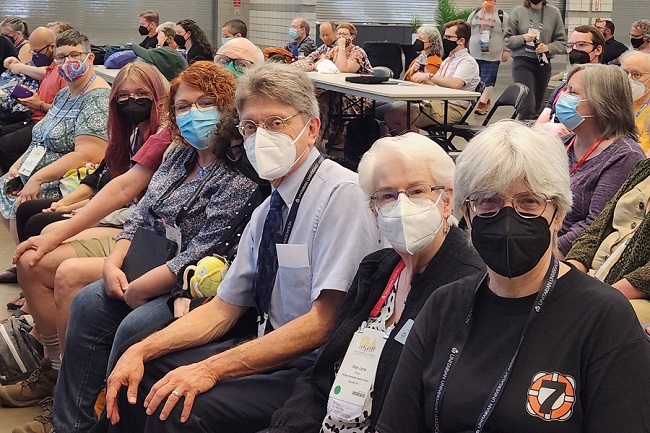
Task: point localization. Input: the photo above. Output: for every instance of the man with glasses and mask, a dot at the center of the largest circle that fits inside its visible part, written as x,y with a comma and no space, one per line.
586,45
613,48
640,35
238,55
297,257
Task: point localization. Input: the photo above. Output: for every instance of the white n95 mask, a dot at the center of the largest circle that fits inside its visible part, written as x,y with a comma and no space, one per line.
410,224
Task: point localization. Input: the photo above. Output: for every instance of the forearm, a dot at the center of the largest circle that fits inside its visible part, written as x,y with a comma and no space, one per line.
630,292
344,64
156,282
58,168
116,257
37,73
81,193
452,83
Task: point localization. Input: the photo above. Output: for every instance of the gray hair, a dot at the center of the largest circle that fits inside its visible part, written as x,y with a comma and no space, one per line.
15,24
643,26
168,28
634,53
507,152
607,89
433,36
278,82
412,147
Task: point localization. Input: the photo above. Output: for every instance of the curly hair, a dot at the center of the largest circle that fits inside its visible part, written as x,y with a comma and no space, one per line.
213,80
147,77
197,35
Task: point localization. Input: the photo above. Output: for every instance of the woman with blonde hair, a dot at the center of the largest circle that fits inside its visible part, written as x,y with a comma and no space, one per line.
16,30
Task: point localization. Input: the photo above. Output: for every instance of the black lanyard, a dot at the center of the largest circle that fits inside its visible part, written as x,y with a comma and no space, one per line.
541,19
296,201
461,339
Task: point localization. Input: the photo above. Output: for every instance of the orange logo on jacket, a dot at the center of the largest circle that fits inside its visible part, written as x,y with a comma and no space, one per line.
551,396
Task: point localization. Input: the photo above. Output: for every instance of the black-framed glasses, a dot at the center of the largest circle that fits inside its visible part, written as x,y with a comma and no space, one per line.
205,103
580,45
273,124
527,204
385,196
123,97
38,52
60,59
450,37
224,60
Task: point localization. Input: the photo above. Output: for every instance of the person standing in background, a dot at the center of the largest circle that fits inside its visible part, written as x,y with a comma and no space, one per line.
535,34
486,46
640,35
613,48
149,21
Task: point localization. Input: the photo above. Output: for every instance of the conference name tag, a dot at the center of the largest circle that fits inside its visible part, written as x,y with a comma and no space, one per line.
32,160
356,376
173,233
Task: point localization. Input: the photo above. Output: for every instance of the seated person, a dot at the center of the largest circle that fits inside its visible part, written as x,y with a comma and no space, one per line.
301,44
603,147
327,33
233,29
347,57
17,31
585,45
239,55
15,138
430,49
243,381
166,32
195,194
72,133
532,345
458,70
615,248
637,66
399,175
191,37
148,21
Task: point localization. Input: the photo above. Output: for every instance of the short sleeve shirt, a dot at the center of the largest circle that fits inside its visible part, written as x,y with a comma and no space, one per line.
464,67
50,86
150,155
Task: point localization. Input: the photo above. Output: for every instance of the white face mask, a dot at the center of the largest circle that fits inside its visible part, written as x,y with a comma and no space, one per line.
272,154
638,89
410,224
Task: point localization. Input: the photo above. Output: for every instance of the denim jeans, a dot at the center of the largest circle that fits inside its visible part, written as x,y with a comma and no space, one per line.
96,323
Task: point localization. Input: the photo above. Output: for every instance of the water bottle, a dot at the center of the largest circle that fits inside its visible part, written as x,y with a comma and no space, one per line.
422,60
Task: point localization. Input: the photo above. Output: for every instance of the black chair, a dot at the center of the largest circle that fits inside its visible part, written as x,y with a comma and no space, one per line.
438,132
387,54
513,96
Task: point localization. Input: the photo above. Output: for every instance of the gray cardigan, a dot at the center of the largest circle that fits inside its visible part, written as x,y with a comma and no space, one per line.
552,32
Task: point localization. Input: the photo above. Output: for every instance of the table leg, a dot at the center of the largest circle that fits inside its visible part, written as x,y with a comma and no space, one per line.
408,115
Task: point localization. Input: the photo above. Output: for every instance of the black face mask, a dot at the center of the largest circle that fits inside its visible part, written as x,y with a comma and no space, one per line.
448,46
143,30
418,45
135,111
180,40
510,244
636,43
579,57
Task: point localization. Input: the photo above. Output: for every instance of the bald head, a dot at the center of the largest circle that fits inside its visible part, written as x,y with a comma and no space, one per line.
41,37
242,48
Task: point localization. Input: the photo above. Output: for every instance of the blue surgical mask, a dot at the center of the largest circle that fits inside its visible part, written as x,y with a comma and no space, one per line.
293,33
566,110
197,127
224,40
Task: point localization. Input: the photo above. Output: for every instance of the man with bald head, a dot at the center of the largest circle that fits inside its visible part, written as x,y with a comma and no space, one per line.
15,137
238,55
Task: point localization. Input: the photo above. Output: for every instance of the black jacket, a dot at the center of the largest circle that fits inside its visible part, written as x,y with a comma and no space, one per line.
305,410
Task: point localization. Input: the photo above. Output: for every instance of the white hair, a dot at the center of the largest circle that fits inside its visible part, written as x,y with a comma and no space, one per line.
412,147
507,152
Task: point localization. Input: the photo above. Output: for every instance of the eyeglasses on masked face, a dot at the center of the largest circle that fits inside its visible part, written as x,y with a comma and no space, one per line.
527,204
385,196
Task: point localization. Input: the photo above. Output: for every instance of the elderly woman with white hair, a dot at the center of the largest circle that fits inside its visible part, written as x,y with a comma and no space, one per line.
429,45
532,345
408,181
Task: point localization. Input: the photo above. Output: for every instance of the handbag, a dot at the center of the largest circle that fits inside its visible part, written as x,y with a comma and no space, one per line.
147,251
72,178
20,353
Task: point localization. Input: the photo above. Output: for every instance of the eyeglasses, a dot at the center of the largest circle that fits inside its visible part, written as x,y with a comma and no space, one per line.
60,59
224,60
273,124
181,108
635,75
385,196
580,45
37,52
526,204
123,97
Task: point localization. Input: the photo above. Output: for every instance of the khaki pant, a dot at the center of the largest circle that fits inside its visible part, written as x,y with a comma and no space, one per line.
642,310
432,112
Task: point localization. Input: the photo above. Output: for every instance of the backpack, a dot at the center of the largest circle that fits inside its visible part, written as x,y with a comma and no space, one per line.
20,353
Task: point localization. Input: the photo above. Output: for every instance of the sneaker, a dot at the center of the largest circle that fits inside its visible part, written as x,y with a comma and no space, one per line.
30,392
41,423
482,108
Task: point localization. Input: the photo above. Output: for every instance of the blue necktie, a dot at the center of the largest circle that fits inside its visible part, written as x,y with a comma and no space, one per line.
267,257
294,49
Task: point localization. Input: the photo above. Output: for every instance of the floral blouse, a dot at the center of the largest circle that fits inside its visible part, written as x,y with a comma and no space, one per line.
356,53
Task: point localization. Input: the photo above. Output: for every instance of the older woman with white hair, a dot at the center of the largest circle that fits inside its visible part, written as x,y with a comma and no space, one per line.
533,344
429,45
408,181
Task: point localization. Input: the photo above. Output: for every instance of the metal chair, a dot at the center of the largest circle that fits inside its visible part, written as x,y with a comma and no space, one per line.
387,54
513,96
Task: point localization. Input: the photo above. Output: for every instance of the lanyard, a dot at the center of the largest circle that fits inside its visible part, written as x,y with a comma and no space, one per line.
389,288
59,119
483,15
461,340
638,113
585,156
291,219
541,19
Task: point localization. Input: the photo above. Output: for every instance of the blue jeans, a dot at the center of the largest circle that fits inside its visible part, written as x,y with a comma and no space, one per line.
96,323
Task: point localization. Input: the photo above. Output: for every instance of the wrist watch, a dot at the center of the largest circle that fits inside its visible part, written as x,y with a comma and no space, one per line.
430,75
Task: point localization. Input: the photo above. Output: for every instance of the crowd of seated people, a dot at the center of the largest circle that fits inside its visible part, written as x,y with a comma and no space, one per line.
352,301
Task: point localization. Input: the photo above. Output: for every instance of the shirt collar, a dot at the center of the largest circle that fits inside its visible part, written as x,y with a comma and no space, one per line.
289,186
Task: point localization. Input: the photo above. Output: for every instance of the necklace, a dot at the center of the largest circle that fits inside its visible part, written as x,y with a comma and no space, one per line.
202,169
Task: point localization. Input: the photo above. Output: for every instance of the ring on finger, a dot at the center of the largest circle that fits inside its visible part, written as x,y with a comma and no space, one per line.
177,394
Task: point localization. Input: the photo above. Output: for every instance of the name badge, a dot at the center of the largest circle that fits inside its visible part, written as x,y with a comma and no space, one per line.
356,376
484,41
29,164
292,255
173,233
